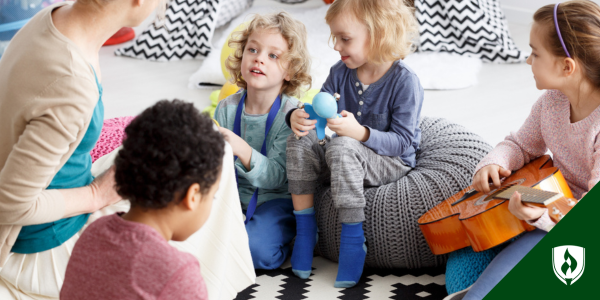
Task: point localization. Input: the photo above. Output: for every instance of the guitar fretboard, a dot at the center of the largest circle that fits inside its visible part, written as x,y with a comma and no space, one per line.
528,194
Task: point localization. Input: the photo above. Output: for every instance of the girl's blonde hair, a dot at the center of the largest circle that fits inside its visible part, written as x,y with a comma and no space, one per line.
579,24
297,56
392,26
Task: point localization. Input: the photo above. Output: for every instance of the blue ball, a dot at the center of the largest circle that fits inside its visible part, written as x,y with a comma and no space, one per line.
325,105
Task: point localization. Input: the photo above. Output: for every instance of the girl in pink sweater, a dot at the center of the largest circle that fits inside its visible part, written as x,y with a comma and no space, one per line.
565,61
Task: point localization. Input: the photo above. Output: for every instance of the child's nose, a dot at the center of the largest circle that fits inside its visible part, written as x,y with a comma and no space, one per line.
337,46
259,59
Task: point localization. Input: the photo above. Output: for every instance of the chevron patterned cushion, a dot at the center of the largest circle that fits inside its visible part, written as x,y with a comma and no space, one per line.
446,160
188,27
472,27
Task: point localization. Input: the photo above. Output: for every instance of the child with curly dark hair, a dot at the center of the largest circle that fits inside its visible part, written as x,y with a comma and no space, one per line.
169,168
271,64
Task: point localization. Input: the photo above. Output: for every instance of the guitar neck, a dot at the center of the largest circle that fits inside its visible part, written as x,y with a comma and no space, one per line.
530,195
557,204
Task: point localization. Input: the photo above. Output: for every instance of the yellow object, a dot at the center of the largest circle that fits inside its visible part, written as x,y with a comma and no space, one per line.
214,98
227,90
216,122
226,51
214,101
309,95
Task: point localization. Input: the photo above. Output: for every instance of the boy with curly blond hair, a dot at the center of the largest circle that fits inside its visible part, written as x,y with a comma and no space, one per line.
271,64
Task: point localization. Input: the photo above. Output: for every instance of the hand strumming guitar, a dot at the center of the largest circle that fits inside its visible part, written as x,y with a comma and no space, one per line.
482,177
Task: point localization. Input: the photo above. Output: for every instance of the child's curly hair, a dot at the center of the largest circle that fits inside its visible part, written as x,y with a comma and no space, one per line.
294,32
392,26
167,148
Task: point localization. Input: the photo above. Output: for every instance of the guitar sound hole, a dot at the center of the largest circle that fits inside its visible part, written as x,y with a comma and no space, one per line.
492,194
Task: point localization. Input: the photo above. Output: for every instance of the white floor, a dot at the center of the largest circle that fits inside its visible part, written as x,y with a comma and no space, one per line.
498,104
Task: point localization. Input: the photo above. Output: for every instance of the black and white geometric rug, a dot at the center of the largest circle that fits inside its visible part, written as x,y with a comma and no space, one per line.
402,284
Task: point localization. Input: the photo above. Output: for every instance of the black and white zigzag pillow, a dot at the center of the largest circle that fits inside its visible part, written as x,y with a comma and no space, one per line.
470,27
186,34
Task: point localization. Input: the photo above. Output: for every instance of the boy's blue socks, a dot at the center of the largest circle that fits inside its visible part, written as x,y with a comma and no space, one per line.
306,238
352,255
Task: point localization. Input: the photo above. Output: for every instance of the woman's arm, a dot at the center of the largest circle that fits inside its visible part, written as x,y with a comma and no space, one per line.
101,193
53,131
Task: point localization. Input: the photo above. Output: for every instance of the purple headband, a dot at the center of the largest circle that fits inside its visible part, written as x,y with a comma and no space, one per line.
558,31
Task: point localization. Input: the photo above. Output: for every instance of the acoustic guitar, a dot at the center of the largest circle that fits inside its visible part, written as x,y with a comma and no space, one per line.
482,220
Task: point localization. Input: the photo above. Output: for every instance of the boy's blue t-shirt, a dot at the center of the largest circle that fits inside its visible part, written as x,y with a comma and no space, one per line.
76,172
268,173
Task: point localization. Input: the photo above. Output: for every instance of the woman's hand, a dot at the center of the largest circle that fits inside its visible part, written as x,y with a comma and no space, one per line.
348,126
523,211
241,149
103,189
88,199
482,178
299,122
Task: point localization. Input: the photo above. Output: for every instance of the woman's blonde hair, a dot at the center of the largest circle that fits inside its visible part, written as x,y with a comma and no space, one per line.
297,56
579,24
392,26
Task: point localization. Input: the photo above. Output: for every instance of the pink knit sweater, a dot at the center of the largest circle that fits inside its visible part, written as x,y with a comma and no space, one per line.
575,147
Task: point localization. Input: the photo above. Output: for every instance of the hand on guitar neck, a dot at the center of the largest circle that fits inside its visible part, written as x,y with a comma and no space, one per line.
524,211
526,207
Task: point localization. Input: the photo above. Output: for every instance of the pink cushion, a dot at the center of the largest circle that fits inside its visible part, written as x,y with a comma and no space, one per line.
111,137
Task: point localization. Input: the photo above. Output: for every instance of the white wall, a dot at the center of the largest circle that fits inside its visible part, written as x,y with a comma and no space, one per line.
521,11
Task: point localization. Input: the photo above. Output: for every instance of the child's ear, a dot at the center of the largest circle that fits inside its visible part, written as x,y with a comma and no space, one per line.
192,197
569,66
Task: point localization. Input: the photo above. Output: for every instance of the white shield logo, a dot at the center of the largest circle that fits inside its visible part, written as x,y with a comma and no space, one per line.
568,263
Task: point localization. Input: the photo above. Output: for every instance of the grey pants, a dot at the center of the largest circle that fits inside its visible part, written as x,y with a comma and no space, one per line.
344,162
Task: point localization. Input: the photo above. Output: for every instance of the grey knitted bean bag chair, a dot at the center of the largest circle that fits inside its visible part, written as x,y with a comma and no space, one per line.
446,160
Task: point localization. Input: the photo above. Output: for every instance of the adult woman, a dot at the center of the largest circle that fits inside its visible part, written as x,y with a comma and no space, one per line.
51,114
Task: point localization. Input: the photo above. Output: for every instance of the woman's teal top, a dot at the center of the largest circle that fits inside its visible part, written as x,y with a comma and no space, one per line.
76,172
